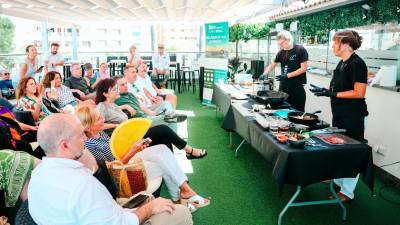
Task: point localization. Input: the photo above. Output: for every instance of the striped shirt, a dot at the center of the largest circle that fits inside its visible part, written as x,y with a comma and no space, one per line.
100,147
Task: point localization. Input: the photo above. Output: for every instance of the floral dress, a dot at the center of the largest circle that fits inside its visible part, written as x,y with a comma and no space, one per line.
28,104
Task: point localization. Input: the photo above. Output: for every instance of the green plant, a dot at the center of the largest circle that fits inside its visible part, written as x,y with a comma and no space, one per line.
319,24
7,29
235,67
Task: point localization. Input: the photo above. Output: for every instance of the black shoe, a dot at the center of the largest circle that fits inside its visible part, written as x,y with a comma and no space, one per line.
190,155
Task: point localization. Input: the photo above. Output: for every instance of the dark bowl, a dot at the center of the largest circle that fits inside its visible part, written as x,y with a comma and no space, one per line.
297,144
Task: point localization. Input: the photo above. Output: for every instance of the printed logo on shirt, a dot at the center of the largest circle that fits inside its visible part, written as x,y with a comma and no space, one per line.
292,57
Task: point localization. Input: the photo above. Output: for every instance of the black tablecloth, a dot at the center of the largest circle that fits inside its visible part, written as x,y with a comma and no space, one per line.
305,166
300,166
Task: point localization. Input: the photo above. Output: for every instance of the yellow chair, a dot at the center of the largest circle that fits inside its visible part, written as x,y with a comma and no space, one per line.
126,134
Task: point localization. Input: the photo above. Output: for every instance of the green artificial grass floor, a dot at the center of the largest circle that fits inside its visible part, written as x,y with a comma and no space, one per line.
242,189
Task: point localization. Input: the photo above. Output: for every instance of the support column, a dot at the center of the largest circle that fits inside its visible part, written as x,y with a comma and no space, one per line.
201,43
153,38
45,40
74,43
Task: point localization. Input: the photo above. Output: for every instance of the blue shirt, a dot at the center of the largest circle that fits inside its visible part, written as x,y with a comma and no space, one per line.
5,85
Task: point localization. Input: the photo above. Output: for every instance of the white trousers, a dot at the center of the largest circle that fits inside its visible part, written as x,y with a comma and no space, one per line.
348,185
159,161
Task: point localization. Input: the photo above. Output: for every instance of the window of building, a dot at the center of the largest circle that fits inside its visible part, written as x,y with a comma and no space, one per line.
101,43
115,32
87,44
116,43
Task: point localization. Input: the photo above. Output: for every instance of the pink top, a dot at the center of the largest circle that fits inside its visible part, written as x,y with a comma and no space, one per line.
104,75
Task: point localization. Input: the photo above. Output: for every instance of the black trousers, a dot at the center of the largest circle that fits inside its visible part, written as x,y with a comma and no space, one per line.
162,134
354,125
297,95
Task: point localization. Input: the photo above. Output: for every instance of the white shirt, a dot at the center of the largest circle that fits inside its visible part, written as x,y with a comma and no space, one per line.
136,59
64,191
145,82
143,100
160,61
53,59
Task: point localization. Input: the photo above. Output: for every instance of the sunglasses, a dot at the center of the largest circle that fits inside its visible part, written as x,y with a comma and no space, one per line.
6,73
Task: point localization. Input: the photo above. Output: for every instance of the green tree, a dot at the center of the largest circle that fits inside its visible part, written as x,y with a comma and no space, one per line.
7,32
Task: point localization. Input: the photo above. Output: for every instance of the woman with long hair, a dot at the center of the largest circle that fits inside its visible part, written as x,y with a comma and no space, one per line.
30,99
107,92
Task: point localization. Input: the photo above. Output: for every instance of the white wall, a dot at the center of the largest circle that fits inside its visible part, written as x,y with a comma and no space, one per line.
383,126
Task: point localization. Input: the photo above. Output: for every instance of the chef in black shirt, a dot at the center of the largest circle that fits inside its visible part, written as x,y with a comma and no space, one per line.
347,92
293,60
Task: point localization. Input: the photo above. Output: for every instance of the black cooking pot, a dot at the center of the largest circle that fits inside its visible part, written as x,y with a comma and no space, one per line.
308,119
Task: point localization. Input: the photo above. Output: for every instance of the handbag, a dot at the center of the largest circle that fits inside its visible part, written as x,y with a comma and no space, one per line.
130,178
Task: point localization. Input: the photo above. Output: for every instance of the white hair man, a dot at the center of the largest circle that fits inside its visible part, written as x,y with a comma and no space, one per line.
134,57
63,191
77,83
161,61
293,60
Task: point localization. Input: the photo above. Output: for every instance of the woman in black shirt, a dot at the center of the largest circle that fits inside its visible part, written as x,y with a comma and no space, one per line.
347,92
293,60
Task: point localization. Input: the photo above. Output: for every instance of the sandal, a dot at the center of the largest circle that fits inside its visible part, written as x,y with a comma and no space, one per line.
191,207
196,200
189,155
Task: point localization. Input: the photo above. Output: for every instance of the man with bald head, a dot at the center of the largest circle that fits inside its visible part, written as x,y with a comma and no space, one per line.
63,191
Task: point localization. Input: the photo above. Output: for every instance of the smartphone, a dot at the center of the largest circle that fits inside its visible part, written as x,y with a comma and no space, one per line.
40,69
147,141
136,201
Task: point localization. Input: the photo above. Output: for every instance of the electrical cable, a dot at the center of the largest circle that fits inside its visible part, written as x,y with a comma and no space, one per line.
387,183
390,164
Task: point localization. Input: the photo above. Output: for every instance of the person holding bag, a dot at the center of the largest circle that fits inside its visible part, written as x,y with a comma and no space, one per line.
158,160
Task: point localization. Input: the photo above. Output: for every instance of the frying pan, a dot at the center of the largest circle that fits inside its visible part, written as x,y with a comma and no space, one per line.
274,98
312,119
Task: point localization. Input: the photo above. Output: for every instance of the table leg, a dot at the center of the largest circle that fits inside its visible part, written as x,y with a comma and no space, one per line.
291,203
237,149
230,139
179,80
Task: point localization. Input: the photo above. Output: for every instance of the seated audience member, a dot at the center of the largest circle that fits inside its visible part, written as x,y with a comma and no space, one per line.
130,74
4,102
77,84
30,99
103,73
6,87
107,93
90,77
134,58
15,170
149,89
54,89
63,191
158,159
17,135
160,61
29,67
127,98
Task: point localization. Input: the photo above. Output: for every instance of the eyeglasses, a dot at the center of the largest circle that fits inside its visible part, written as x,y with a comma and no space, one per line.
6,73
